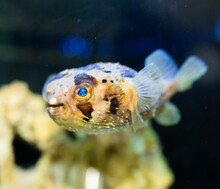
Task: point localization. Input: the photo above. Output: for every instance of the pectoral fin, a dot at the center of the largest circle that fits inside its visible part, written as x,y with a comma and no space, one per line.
168,115
149,88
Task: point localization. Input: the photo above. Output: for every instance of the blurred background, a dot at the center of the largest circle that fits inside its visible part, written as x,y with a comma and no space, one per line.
39,37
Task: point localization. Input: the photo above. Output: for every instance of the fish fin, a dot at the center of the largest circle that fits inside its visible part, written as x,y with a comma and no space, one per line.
168,115
137,120
191,70
164,62
149,88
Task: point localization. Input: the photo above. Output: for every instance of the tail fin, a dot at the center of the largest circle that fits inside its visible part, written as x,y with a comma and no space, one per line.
191,70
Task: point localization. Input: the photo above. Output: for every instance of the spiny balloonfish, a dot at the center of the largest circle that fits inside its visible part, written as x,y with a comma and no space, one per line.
109,97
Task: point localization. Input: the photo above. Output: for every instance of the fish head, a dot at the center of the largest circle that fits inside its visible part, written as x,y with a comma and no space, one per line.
91,102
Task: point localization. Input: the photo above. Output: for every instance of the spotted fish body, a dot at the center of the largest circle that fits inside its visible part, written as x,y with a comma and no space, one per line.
105,111
109,97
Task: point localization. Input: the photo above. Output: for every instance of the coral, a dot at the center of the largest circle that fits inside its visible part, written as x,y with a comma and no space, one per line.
69,160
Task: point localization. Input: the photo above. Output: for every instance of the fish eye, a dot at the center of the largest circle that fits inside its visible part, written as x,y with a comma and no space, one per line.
83,92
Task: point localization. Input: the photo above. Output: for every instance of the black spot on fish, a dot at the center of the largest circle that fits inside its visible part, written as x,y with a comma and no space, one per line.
86,109
112,81
104,81
106,98
107,71
85,78
114,106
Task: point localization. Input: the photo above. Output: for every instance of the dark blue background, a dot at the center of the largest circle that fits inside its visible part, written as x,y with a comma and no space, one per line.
39,37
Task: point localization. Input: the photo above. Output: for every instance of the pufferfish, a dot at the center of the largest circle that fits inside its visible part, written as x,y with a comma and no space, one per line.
109,97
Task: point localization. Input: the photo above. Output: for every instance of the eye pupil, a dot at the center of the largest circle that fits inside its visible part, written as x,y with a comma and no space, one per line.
82,92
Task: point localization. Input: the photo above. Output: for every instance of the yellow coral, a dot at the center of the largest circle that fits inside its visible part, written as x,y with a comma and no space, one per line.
123,160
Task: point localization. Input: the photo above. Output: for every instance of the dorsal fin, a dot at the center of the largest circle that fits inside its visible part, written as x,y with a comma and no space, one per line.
164,62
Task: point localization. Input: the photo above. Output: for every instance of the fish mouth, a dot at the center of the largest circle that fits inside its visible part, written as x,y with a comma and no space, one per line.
54,105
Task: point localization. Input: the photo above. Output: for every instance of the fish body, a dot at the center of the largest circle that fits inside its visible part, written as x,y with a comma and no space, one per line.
110,97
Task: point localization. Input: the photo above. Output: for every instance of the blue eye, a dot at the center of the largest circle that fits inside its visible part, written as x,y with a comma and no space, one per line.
82,92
